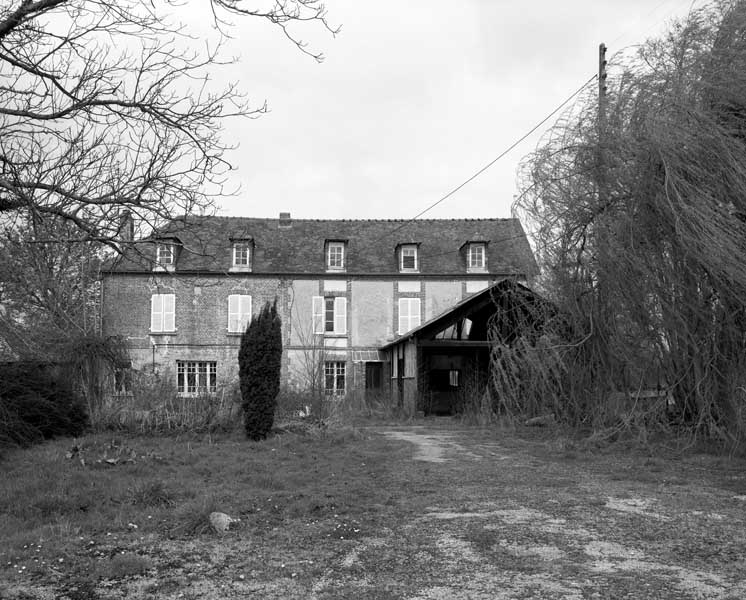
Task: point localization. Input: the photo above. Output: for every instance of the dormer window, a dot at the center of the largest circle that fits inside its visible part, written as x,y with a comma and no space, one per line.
476,257
335,256
241,250
408,260
165,256
241,254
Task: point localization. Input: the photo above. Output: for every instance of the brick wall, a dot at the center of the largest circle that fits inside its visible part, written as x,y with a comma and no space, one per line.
201,306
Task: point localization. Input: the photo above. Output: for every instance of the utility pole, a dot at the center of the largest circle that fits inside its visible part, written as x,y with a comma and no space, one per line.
600,222
601,123
601,86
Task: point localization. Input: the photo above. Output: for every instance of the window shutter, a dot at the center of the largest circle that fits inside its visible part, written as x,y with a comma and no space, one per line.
318,314
245,311
414,313
156,312
409,314
340,315
233,312
403,315
169,312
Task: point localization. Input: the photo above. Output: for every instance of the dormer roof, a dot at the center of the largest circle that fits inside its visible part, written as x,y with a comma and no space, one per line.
298,249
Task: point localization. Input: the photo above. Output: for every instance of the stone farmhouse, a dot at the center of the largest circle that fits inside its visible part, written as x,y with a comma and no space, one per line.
346,291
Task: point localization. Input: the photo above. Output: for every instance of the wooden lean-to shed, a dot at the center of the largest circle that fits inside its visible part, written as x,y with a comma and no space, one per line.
444,362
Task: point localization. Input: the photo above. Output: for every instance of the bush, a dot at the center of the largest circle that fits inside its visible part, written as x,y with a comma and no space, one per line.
36,403
259,363
154,406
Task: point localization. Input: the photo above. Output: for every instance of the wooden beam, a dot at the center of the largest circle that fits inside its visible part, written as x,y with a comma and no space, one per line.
453,344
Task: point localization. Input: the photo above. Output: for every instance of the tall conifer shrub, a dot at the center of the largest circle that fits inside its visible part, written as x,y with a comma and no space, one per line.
259,361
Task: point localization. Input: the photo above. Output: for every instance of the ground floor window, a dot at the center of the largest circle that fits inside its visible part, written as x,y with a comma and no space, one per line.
334,377
196,377
123,380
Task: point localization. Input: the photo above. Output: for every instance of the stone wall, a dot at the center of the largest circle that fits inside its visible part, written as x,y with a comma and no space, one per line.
201,318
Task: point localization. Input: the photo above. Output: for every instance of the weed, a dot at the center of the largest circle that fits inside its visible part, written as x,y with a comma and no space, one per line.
194,518
152,493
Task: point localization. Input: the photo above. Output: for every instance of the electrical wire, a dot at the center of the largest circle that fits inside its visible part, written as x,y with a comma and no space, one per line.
493,161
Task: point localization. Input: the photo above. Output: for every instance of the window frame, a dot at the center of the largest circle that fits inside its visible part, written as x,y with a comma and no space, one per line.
198,369
167,317
165,254
122,380
320,315
337,245
473,246
244,316
406,248
240,246
411,315
336,371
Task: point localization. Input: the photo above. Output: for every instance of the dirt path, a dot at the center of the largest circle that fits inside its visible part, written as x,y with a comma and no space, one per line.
563,555
433,446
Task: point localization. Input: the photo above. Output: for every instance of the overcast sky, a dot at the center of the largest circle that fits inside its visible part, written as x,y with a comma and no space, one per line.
412,99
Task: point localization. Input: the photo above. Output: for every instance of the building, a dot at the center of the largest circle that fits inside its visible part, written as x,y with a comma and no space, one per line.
445,362
345,289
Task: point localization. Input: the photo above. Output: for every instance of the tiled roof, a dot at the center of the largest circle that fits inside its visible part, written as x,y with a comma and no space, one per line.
371,245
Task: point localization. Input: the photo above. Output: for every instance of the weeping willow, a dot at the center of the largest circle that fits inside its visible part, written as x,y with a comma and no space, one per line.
638,213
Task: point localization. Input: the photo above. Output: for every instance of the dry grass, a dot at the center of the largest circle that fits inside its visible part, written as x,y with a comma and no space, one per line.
339,513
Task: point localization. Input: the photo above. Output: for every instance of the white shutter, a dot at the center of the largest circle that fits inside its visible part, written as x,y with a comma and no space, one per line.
156,312
340,315
234,316
239,312
244,309
414,313
403,315
318,314
169,312
409,314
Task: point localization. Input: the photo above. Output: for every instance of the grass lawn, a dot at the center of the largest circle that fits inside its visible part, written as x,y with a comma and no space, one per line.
430,511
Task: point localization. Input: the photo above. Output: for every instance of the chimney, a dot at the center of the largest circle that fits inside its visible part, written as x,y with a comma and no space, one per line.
126,226
285,221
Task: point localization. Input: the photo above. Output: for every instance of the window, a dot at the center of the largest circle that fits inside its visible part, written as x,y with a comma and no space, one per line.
239,312
196,377
330,314
453,377
122,380
241,254
475,258
408,258
162,313
335,256
164,255
334,378
409,314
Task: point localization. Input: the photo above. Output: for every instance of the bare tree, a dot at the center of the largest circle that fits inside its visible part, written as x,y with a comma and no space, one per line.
49,292
106,106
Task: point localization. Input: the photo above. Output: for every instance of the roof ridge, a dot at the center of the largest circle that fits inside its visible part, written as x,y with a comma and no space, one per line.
381,220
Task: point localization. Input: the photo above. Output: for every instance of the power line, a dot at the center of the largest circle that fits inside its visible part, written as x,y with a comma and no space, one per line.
494,160
641,18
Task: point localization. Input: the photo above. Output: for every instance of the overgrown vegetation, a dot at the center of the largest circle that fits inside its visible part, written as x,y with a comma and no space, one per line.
259,364
152,405
37,403
637,205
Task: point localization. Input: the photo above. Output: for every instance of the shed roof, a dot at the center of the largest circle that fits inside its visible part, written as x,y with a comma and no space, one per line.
467,306
206,245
